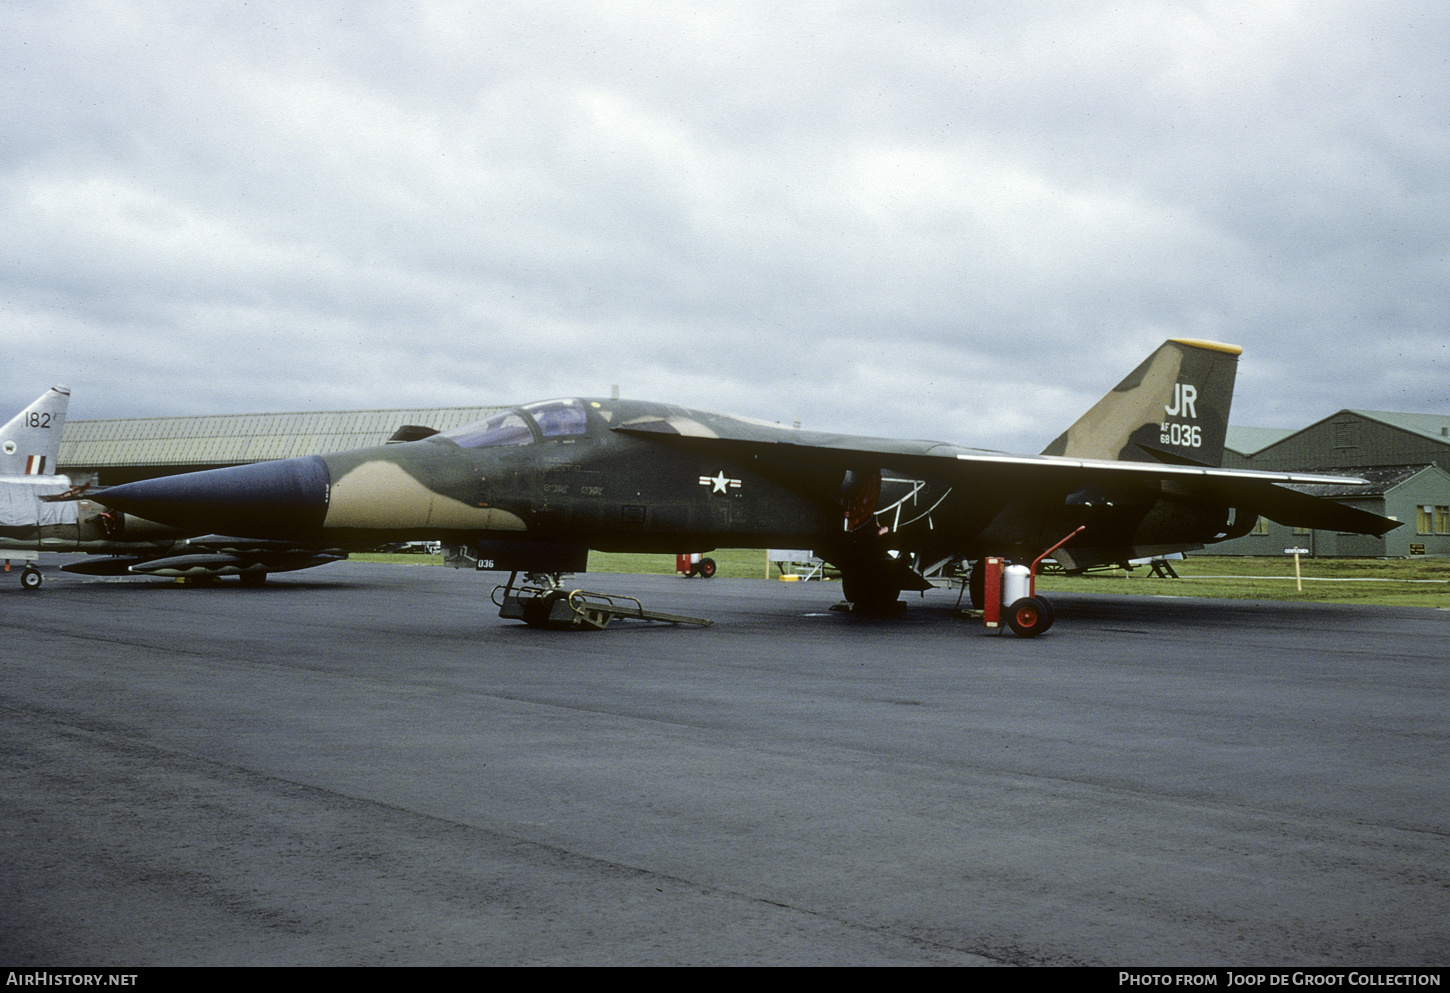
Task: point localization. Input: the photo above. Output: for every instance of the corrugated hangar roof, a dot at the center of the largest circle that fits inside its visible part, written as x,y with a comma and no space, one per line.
236,438
1381,479
1436,426
1247,441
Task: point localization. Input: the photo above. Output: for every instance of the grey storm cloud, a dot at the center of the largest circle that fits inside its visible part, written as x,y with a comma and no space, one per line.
962,221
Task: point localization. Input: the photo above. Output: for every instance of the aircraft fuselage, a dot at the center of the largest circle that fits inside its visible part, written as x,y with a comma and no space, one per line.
615,475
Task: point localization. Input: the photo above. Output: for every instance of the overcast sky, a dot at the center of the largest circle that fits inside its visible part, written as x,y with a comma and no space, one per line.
954,220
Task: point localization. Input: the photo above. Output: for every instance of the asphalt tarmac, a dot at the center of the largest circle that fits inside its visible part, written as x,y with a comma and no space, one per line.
363,765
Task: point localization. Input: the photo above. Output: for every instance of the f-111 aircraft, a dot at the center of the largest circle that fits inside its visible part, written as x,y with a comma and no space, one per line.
533,488
42,512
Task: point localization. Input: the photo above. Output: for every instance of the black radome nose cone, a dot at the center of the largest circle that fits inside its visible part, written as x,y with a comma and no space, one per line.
282,499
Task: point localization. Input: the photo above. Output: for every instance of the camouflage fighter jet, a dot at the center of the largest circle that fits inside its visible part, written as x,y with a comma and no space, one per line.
534,487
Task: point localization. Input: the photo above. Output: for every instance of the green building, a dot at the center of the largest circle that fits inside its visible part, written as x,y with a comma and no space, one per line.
1405,457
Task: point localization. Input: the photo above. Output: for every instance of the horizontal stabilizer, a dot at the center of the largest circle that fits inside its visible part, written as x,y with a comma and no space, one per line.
1300,510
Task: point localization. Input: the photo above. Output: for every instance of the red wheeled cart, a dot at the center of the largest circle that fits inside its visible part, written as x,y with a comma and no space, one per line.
695,565
1010,595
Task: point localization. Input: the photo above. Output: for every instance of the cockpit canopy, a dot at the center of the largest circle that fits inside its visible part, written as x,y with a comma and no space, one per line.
548,419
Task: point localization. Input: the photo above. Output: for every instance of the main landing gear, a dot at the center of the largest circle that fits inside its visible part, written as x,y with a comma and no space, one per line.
872,583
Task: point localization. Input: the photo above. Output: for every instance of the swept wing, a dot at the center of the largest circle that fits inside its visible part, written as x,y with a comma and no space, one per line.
1248,490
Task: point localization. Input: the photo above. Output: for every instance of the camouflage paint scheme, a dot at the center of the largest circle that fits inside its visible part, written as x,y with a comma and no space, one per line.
541,484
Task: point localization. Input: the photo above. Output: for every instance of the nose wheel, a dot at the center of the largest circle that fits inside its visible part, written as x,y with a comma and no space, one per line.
30,578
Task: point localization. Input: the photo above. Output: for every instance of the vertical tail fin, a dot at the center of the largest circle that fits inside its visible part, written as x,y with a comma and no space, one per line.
1172,408
30,442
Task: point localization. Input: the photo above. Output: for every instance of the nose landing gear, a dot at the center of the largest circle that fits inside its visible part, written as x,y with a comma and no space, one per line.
30,576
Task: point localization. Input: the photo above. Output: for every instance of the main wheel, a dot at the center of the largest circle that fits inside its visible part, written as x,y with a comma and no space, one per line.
30,579
977,584
1029,617
706,569
871,591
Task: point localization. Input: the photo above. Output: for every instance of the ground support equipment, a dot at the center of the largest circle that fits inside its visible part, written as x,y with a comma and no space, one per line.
578,610
1010,595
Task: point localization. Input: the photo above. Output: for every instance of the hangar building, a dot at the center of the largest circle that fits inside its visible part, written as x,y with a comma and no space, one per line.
1405,457
109,453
